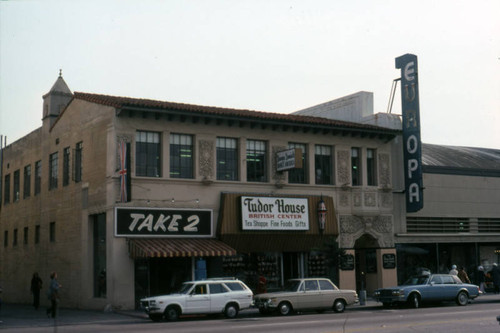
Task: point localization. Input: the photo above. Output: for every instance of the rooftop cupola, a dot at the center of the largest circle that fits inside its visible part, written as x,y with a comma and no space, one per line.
55,100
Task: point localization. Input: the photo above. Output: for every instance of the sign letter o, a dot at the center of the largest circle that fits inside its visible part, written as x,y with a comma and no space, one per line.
412,144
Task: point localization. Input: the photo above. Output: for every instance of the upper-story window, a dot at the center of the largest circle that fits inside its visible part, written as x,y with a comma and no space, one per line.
356,166
147,154
181,156
227,159
371,167
256,161
53,170
27,181
38,177
66,166
323,165
78,163
17,185
6,190
298,175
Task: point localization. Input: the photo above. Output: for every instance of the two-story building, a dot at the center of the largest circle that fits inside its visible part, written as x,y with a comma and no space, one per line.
127,197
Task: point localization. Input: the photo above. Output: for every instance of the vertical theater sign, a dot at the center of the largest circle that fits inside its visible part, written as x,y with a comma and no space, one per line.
411,132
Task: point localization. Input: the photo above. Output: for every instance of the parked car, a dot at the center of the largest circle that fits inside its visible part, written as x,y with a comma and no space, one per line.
306,294
428,288
211,296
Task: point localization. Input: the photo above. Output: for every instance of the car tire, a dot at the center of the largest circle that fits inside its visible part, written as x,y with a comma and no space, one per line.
285,308
414,301
156,317
339,306
462,298
231,311
172,313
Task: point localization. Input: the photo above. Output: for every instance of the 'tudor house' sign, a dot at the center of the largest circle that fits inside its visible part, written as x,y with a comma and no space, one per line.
272,213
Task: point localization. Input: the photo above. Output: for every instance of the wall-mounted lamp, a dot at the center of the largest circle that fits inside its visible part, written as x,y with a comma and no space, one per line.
321,215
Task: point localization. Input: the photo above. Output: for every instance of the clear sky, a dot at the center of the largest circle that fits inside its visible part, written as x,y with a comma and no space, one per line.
275,56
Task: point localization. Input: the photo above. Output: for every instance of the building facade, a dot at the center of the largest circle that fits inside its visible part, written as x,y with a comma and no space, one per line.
127,197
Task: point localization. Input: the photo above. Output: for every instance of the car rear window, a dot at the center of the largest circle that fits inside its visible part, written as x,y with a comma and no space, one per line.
235,286
326,285
312,285
217,288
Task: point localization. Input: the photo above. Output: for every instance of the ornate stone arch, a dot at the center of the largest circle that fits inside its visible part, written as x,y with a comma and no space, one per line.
353,227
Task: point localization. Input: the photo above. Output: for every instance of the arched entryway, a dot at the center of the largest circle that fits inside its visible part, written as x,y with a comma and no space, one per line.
366,262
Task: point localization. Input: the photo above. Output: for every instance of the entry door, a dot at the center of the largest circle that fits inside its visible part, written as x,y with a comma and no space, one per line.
290,265
198,301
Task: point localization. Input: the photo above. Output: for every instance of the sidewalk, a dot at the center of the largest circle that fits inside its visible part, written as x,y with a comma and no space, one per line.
24,315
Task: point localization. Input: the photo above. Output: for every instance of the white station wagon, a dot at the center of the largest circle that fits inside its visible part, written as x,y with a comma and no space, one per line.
227,296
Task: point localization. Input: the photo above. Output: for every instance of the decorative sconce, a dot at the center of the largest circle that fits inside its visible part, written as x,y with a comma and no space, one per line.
321,215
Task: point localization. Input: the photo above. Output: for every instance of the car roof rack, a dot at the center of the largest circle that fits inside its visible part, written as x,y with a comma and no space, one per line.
221,278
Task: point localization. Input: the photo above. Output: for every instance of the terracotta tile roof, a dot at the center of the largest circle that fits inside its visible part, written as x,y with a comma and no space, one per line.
127,102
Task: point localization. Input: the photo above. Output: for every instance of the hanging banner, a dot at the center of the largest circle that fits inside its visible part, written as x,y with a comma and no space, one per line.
412,146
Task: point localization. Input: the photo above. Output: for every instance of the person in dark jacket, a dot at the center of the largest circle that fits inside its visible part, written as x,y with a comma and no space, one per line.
36,286
53,295
481,279
462,275
495,277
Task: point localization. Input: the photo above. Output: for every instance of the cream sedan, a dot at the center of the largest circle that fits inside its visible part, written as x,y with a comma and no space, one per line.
318,294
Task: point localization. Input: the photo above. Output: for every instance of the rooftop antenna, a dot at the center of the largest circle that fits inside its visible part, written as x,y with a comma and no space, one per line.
393,92
60,72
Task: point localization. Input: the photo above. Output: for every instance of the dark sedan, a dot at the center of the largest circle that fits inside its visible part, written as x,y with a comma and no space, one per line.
428,288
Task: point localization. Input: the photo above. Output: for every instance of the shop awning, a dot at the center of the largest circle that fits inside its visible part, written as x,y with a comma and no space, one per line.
169,248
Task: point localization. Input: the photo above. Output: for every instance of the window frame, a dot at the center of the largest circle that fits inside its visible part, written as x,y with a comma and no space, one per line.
66,159
181,156
256,160
356,171
38,177
299,175
27,182
371,167
53,170
227,156
148,154
16,191
323,161
6,189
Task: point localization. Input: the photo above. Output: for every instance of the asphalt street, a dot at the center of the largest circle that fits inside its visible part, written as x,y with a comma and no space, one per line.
24,318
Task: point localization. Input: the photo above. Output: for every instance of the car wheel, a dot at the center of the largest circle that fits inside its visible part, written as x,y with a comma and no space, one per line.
231,311
462,298
414,301
285,308
156,317
339,306
172,313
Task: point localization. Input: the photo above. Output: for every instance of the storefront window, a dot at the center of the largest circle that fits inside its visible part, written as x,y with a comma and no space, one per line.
261,272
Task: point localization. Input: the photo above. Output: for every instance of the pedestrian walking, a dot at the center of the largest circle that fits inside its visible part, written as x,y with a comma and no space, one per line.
462,275
453,270
53,295
36,286
481,279
495,277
